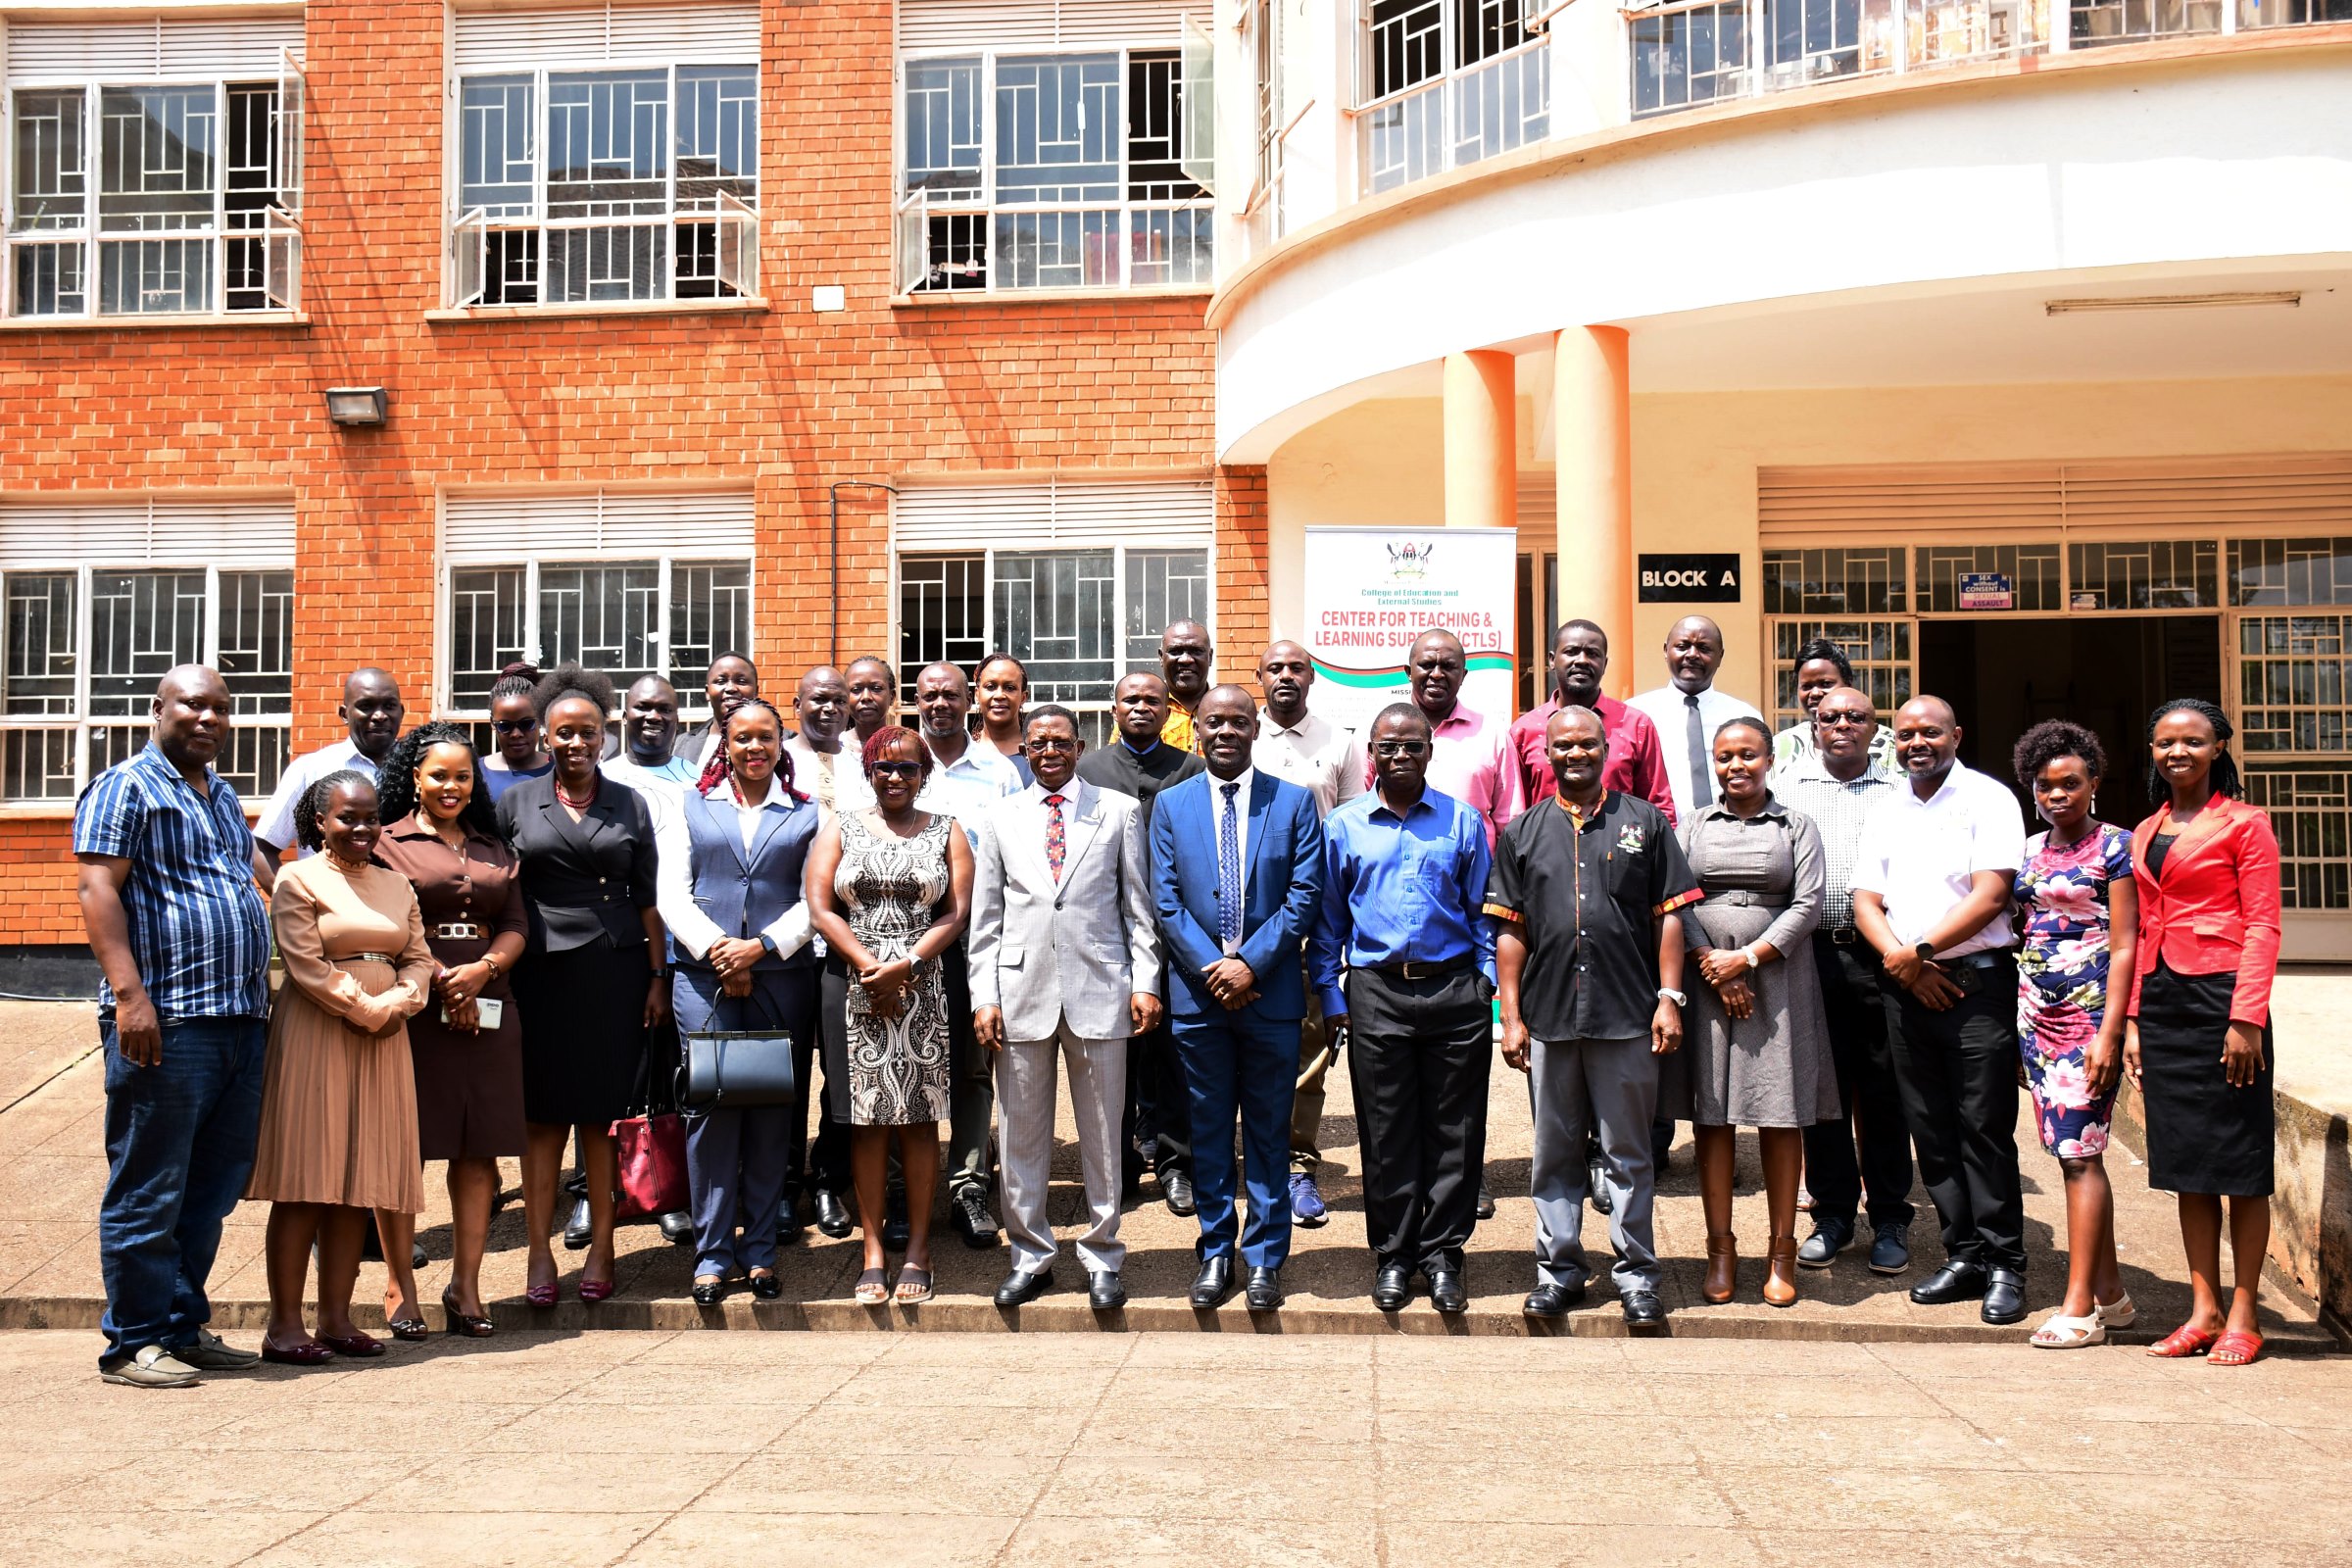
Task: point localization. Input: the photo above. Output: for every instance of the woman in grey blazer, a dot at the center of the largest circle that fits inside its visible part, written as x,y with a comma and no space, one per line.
730,892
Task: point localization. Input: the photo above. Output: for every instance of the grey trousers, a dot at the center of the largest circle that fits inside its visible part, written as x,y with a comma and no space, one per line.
1576,1084
1025,1074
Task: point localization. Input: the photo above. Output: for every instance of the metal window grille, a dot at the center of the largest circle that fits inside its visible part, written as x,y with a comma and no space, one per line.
2033,572
2145,575
1442,84
2311,812
141,199
1049,170
606,186
1880,647
1835,582
628,618
2105,22
2290,571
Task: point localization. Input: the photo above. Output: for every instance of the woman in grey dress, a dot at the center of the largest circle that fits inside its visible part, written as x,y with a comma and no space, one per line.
1755,1047
889,890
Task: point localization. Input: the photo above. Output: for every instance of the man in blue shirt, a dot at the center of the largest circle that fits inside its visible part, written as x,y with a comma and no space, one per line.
176,924
1404,877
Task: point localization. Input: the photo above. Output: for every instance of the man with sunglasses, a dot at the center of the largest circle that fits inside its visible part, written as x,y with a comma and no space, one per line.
1404,879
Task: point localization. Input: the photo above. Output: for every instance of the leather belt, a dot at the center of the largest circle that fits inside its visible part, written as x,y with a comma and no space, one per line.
460,931
1741,899
1844,936
1989,958
1424,968
370,957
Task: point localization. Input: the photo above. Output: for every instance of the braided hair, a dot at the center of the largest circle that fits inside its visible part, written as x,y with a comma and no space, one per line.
313,801
515,680
716,769
2223,777
396,778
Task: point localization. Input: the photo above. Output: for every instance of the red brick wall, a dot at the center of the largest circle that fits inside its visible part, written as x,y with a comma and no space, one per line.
787,401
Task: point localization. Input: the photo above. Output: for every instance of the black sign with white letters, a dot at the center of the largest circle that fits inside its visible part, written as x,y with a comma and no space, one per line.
1680,579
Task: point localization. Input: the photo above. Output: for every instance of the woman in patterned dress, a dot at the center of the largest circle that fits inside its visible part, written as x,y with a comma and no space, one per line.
889,890
2080,919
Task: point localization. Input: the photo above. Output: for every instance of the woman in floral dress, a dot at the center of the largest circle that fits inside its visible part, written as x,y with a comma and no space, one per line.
2081,922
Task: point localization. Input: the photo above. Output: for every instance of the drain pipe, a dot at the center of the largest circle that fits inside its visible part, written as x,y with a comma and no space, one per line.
833,550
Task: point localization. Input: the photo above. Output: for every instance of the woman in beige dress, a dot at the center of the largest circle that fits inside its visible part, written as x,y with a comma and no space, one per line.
338,1132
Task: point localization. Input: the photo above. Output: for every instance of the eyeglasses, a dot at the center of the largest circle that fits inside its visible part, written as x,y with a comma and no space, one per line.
1054,743
513,726
897,771
1398,747
1842,720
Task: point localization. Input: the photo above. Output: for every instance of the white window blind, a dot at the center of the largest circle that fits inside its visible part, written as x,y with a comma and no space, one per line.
1178,515
502,528
208,48
607,35
2164,497
931,24
226,533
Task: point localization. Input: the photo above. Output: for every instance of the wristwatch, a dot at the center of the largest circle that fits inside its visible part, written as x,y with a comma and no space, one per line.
770,943
1926,951
1669,993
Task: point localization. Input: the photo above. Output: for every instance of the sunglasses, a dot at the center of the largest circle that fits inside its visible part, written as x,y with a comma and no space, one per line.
1842,720
1398,747
513,726
897,771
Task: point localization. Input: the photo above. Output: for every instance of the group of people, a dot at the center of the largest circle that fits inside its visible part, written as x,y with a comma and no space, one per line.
1661,910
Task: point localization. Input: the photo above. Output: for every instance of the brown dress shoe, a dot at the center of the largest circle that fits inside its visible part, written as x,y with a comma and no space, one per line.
1723,1268
1779,1272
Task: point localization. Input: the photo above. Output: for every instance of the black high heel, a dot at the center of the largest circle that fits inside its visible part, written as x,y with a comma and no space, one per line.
464,1323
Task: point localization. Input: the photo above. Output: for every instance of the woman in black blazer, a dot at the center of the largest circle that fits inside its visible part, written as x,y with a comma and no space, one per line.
593,979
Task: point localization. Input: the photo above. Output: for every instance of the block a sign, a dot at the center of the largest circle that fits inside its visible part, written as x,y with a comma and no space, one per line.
1687,580
1371,591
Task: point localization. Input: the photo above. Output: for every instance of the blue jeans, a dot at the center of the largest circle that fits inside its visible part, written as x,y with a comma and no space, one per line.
180,1143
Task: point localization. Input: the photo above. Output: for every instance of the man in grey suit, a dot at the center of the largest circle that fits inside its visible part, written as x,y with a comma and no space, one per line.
1065,958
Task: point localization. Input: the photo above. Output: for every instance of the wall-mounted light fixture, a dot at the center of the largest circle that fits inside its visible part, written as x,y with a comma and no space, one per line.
358,404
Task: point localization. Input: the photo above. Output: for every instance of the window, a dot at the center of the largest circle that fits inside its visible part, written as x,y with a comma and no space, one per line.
2101,21
1049,170
101,601
1076,581
2031,570
2145,574
603,159
154,169
1447,82
629,584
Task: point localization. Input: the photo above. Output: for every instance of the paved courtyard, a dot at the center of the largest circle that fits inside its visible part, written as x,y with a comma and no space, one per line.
1140,1449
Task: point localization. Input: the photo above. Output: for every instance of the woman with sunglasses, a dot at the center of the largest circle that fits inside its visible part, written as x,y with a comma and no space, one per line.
519,750
889,890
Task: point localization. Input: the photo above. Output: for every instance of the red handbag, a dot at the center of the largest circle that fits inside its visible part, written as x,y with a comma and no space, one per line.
649,1160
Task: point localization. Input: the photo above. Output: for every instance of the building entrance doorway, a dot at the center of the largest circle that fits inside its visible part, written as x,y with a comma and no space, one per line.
2106,672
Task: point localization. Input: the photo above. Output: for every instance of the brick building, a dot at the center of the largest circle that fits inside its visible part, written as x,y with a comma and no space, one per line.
640,283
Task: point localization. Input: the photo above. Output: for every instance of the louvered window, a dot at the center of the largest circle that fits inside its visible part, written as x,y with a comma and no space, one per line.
605,155
632,584
101,601
1047,146
1076,581
154,167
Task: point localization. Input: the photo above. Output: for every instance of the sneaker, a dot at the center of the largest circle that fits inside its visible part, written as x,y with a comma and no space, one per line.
1830,1238
1306,1204
150,1367
1890,1250
209,1352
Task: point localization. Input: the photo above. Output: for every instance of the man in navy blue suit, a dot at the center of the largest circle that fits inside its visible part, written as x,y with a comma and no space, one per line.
1236,870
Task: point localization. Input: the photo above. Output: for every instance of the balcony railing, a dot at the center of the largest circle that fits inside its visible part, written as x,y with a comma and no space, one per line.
1456,118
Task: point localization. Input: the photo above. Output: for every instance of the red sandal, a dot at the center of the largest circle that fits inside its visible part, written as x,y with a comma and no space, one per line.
2184,1341
2236,1347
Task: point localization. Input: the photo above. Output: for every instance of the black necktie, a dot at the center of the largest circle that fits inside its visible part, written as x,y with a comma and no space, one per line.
1702,772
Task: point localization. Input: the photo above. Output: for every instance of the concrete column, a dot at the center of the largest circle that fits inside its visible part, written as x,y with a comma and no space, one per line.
1592,435
1482,460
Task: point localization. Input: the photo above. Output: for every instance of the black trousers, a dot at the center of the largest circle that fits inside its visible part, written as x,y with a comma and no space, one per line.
1958,1073
1159,1124
1870,1100
1418,1055
828,1156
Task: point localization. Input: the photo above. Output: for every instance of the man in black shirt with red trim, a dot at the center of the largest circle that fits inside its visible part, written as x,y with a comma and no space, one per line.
1589,958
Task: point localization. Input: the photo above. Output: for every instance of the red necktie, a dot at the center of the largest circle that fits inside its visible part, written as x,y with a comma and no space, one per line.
1055,844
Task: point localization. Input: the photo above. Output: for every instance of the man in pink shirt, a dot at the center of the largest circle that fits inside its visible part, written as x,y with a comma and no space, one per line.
1636,763
1471,758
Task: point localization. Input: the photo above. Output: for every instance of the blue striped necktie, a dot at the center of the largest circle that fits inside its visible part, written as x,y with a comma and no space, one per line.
1229,871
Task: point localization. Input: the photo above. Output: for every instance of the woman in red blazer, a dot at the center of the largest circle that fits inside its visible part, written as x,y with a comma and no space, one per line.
2198,1041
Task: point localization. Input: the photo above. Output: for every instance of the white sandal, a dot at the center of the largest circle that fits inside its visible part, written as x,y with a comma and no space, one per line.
2058,1332
2119,1313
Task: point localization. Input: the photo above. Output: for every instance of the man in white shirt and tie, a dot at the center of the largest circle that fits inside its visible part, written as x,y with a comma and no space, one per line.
1065,960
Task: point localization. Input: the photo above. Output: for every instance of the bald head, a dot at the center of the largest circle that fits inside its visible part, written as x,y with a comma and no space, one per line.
1927,741
1576,744
1226,724
372,711
190,713
820,704
649,720
1285,675
1844,723
1185,656
1693,652
1435,668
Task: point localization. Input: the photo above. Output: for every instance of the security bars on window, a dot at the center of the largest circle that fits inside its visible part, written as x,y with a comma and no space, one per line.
1446,82
1049,171
627,619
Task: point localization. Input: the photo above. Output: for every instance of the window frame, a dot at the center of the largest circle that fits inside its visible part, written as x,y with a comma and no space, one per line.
915,210
1445,96
83,722
278,231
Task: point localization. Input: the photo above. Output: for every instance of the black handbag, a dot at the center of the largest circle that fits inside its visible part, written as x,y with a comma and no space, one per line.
735,1067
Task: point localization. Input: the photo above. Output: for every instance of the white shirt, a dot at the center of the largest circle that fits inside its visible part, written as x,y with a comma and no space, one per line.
1316,754
663,787
674,885
1666,709
967,787
1919,856
837,783
1241,826
276,826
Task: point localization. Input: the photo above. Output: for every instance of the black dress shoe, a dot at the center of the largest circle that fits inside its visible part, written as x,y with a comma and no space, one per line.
576,1232
1176,1186
1598,1190
575,1185
767,1287
1019,1288
1959,1280
417,1256
1392,1287
832,1215
709,1293
678,1228
1642,1309
2004,1297
968,1211
1830,1238
1214,1283
788,1221
1103,1291
1447,1293
1264,1294
1485,1202
895,1228
1552,1301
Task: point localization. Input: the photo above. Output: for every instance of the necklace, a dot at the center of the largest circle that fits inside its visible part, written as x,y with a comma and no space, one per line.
347,867
578,802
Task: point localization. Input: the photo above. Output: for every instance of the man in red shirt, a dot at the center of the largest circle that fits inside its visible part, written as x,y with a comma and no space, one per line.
1635,764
